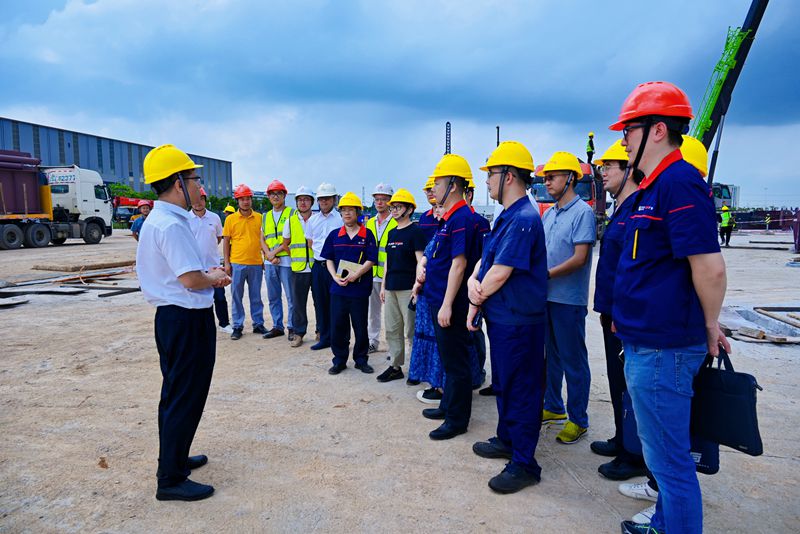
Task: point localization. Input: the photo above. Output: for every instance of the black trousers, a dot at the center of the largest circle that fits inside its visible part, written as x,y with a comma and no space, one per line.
321,291
221,306
347,311
725,235
300,283
615,370
186,342
453,343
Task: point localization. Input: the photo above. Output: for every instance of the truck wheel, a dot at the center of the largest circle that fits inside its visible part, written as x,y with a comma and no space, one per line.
58,240
36,235
10,236
93,233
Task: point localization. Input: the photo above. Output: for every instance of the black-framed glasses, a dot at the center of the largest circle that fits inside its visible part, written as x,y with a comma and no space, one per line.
551,177
491,173
275,193
396,207
629,127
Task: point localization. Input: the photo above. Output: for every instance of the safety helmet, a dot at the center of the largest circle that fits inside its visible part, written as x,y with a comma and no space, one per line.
563,161
276,185
615,152
203,192
326,190
510,153
591,134
164,161
470,183
452,165
383,189
229,209
350,200
695,153
304,191
429,183
242,191
725,208
403,195
144,203
654,98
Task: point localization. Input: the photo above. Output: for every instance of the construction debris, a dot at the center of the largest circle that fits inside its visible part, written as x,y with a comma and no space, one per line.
82,277
12,301
85,266
15,292
755,333
773,313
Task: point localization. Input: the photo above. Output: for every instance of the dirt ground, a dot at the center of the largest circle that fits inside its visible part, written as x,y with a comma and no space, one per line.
294,449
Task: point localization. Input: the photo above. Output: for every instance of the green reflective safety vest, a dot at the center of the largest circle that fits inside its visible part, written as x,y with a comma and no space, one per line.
301,253
589,146
726,218
381,240
273,234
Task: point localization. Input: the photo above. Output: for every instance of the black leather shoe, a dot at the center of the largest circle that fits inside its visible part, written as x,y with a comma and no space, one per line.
433,413
365,368
608,447
512,479
411,382
196,461
275,332
290,337
320,346
237,334
259,329
619,469
336,369
488,391
493,448
446,431
391,374
185,491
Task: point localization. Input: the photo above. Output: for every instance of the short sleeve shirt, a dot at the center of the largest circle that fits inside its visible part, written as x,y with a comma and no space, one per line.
401,258
517,241
319,227
673,217
564,228
453,238
428,224
245,236
206,230
136,227
361,248
610,251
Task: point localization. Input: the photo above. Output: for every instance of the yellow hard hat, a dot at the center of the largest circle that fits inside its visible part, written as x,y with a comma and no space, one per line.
429,183
510,153
563,161
615,152
725,208
470,183
403,195
591,134
452,165
164,161
695,153
229,209
350,200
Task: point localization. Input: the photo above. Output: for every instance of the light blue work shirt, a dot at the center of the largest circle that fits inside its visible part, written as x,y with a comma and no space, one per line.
563,229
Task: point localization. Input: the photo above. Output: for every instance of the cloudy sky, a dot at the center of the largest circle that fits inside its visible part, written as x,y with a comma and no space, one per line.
358,92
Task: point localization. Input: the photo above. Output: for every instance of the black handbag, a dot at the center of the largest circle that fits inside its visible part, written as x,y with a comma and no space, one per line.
724,406
704,452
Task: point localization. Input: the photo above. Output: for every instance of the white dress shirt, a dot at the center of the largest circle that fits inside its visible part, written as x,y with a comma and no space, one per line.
319,227
207,229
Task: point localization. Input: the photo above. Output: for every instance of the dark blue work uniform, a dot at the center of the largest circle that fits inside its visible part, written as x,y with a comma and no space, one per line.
455,237
515,317
610,250
428,224
350,303
482,228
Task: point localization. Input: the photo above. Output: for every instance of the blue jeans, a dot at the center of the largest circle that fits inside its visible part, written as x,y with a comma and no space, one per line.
251,274
660,386
566,355
278,276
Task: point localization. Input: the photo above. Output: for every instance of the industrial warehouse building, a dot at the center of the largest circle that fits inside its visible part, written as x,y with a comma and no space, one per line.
115,160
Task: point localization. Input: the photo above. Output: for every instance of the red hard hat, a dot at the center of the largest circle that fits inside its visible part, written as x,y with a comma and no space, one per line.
276,185
143,203
203,191
654,98
242,191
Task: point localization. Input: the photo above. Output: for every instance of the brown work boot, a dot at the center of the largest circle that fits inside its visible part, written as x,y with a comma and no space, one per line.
297,341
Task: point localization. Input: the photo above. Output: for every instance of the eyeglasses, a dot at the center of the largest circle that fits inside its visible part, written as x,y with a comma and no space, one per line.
627,129
396,207
489,174
605,167
276,193
551,177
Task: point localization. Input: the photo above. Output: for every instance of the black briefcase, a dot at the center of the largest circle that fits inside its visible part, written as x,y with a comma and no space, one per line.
724,406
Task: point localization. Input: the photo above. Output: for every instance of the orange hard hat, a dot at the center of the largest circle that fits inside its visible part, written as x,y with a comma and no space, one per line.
242,191
144,203
276,185
654,98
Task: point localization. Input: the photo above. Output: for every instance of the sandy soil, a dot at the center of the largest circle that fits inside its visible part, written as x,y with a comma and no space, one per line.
294,449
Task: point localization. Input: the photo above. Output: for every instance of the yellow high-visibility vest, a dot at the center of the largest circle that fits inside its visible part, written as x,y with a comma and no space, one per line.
273,234
301,253
381,240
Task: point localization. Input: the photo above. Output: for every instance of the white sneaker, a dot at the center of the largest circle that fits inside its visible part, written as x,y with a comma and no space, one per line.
645,516
226,329
640,490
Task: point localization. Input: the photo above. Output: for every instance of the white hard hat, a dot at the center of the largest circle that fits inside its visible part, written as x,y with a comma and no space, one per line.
304,191
326,190
383,189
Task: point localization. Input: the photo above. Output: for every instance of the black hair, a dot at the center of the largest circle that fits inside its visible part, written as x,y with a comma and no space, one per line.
522,174
162,186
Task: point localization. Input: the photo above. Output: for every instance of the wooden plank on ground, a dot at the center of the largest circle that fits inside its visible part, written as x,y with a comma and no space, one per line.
794,315
17,291
84,266
755,333
12,301
772,312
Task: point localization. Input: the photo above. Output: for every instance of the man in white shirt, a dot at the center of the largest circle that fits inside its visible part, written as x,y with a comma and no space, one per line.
174,279
302,260
207,228
319,226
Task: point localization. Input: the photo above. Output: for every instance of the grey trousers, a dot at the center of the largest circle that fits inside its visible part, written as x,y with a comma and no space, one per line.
399,321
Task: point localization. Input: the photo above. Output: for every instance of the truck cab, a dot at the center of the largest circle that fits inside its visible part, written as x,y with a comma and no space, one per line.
79,194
